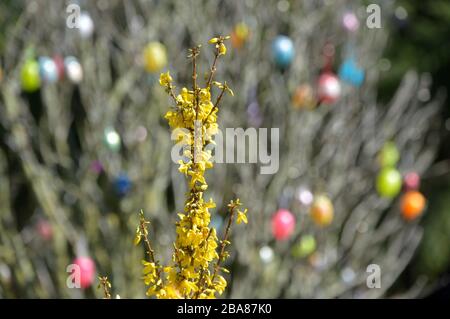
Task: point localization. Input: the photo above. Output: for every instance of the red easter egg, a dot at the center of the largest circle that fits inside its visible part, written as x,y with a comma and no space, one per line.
59,62
87,271
283,224
329,88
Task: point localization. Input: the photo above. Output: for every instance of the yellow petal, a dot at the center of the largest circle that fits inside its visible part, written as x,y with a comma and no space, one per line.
241,217
222,49
137,239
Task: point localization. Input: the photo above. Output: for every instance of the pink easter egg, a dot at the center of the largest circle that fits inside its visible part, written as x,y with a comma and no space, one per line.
44,229
411,181
87,270
350,21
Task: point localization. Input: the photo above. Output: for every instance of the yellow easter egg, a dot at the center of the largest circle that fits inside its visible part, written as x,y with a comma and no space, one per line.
155,57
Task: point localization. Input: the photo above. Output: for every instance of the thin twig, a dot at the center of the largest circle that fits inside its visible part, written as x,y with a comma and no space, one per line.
224,243
148,247
106,285
213,69
216,105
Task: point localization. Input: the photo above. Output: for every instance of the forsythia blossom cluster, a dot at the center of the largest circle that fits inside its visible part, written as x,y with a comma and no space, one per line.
196,268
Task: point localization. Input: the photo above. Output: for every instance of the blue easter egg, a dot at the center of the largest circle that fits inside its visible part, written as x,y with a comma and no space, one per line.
351,73
48,69
283,51
122,184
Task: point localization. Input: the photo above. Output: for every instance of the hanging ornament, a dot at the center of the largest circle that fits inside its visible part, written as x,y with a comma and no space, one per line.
85,25
350,72
283,224
389,182
329,88
412,205
283,51
411,181
122,184
254,115
59,63
48,70
140,134
305,246
97,167
348,275
29,76
304,196
239,35
400,17
303,97
74,70
112,139
350,21
87,271
44,230
155,57
266,254
389,155
318,261
322,211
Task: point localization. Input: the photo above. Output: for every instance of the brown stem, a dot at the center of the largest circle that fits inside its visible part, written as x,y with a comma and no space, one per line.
172,94
224,243
194,68
219,98
195,52
213,69
216,105
105,285
148,246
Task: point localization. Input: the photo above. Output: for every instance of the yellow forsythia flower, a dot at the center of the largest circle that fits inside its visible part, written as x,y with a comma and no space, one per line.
222,49
242,217
165,79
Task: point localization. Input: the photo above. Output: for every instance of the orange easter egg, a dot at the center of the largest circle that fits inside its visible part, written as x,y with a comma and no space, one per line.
322,211
412,204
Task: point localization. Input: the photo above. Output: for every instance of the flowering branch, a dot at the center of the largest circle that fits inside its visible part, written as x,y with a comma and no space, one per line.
106,285
196,243
221,49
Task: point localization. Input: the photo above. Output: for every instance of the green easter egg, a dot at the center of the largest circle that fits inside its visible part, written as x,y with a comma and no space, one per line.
389,182
30,76
389,155
305,246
